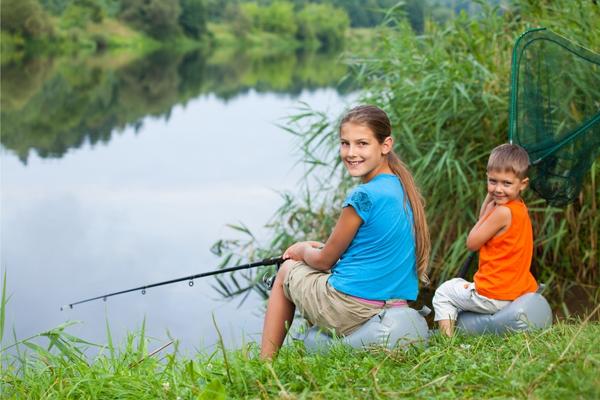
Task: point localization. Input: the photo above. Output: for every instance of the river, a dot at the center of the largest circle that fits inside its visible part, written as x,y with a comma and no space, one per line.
119,172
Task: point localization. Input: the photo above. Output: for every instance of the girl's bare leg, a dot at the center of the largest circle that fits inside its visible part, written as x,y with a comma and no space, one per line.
279,316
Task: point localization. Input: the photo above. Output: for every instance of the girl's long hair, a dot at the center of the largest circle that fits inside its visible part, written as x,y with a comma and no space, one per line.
377,120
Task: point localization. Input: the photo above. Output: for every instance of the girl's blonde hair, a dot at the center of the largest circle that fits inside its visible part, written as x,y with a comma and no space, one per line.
377,120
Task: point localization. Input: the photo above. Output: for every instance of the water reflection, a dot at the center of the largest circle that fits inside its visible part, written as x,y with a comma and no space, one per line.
53,105
119,172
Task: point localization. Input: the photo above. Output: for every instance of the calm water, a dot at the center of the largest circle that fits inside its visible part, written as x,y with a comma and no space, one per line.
116,177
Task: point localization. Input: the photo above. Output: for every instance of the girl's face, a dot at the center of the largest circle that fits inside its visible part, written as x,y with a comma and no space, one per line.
363,156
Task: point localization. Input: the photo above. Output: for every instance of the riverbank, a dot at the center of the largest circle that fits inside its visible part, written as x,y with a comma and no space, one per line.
561,362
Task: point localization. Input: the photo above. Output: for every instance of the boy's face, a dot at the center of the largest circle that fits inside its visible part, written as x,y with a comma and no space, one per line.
505,186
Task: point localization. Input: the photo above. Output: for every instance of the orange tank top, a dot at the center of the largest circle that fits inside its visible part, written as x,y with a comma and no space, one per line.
505,260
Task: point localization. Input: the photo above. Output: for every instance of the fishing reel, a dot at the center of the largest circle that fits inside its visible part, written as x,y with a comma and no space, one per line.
269,280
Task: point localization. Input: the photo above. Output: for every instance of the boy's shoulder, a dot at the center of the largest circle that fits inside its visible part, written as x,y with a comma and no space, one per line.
517,211
518,206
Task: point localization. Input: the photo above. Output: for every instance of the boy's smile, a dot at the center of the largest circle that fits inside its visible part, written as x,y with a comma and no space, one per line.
361,153
505,186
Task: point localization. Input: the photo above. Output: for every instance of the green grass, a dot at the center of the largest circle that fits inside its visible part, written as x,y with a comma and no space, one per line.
558,363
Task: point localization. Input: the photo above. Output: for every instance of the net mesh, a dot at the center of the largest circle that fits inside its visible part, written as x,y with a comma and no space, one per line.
555,112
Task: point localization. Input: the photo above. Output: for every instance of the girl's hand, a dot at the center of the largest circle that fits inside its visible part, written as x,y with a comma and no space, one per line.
296,251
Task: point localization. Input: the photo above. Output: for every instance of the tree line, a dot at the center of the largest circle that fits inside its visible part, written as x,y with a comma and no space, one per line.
48,20
326,22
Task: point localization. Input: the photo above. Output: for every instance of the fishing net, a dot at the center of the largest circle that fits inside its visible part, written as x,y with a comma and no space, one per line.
555,112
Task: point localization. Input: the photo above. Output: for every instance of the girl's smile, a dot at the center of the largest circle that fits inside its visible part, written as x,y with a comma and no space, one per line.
363,156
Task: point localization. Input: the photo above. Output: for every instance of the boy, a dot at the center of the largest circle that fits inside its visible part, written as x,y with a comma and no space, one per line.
504,238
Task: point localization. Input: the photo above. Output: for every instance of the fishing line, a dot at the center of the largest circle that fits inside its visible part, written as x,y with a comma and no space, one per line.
267,261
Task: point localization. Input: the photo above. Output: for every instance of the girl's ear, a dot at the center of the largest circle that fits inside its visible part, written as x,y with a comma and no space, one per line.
387,145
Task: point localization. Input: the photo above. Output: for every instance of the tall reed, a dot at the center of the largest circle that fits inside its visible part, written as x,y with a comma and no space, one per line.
446,92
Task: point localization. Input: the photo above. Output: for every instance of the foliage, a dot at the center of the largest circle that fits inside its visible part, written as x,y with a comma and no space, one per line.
158,18
279,18
25,18
81,13
58,7
193,18
313,25
322,23
75,24
446,92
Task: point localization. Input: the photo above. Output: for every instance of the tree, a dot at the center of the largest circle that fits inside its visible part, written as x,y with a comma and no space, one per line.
279,18
26,18
323,23
193,18
158,18
244,17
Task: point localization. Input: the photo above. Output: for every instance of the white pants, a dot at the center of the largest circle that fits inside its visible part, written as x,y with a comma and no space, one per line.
458,295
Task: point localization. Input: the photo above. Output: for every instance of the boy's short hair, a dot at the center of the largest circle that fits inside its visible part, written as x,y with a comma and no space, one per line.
509,157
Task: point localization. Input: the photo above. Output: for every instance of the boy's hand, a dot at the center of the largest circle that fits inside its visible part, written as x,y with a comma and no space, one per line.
487,205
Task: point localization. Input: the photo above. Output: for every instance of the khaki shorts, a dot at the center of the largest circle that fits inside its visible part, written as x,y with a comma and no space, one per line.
321,305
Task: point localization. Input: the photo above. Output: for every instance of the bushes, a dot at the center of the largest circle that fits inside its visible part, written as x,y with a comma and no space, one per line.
193,18
25,18
320,25
157,18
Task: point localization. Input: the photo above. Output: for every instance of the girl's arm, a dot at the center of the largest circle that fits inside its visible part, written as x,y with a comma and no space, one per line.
498,221
324,257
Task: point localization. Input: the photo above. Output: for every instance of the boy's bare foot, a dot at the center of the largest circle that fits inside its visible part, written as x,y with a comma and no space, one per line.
446,327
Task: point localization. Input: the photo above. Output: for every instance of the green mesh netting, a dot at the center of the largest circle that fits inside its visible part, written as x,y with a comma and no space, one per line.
555,112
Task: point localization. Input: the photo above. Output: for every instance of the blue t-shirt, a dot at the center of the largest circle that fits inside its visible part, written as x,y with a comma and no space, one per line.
380,262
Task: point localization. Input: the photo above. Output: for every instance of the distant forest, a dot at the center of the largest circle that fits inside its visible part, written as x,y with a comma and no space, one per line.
27,21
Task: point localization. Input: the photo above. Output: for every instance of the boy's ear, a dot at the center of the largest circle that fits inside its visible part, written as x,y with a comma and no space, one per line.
524,184
388,145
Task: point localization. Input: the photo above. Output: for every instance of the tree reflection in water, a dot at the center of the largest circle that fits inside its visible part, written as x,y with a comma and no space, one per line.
52,105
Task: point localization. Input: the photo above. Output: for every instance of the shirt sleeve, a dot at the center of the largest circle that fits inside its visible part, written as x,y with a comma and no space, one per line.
361,202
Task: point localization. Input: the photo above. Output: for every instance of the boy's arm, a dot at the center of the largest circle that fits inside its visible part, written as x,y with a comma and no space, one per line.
485,229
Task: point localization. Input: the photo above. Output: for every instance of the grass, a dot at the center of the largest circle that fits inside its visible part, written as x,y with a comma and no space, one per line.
561,362
556,363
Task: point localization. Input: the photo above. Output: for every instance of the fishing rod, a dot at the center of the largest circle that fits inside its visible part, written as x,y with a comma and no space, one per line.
266,261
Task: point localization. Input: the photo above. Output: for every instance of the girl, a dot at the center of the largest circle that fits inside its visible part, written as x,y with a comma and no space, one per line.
378,247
